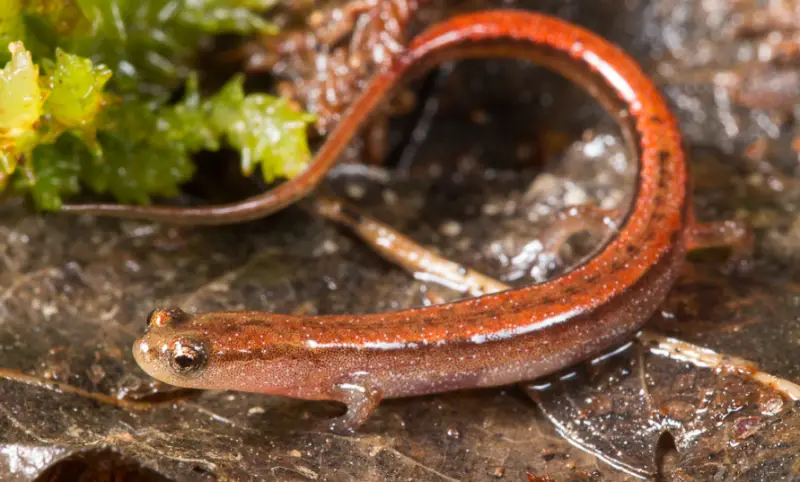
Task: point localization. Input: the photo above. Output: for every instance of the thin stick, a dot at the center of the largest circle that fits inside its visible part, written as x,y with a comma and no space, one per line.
60,387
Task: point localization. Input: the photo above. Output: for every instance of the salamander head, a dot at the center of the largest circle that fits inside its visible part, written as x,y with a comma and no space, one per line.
172,350
220,351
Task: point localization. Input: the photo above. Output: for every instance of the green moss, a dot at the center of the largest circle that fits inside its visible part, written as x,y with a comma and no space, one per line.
96,114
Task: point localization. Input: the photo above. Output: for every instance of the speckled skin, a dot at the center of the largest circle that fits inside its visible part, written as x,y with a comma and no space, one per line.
491,340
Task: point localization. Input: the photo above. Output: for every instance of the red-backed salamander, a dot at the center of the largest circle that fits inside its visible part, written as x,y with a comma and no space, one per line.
491,340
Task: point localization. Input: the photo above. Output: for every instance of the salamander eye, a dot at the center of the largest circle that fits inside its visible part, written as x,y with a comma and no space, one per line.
164,316
188,358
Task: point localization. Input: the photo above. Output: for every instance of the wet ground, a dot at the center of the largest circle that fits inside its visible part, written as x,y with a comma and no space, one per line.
510,146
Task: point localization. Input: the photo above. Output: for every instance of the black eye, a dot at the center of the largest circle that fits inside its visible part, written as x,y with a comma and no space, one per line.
188,358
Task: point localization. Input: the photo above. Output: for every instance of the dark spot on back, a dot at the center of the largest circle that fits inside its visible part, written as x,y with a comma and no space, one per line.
663,158
252,322
571,290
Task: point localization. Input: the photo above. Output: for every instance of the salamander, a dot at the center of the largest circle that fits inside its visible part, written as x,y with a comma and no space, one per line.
495,339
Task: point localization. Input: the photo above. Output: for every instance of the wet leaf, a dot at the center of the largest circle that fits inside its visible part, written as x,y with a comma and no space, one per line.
76,291
654,416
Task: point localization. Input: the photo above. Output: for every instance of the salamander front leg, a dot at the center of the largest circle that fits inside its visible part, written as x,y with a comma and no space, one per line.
361,399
